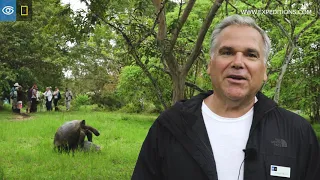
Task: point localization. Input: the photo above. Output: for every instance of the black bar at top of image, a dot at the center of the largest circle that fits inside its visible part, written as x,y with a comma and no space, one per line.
24,10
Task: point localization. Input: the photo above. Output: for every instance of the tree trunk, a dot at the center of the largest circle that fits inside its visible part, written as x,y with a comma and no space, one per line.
284,67
178,86
162,29
178,72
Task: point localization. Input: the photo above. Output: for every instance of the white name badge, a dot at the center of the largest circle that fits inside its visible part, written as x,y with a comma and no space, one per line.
280,171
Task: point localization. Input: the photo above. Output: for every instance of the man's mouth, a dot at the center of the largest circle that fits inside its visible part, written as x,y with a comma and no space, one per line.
237,77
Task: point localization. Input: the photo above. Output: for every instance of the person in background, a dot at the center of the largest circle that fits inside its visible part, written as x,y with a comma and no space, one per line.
29,100
56,98
68,97
234,132
48,96
34,99
20,98
41,101
13,96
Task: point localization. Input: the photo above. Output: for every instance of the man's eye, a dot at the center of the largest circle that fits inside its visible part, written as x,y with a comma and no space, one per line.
226,53
252,55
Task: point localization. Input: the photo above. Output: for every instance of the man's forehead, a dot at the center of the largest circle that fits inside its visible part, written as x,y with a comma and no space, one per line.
243,37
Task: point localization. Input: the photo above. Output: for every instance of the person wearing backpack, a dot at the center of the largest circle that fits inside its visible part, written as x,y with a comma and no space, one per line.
13,96
56,98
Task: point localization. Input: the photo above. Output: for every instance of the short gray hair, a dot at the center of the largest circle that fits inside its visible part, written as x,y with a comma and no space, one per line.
240,20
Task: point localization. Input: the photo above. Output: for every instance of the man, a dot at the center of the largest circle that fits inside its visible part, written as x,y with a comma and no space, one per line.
56,98
68,98
34,99
20,98
48,96
13,96
29,95
233,132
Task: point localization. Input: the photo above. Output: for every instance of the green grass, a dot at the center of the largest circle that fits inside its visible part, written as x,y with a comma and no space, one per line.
27,146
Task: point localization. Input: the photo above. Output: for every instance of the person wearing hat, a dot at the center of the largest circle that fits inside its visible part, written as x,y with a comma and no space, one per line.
20,97
13,96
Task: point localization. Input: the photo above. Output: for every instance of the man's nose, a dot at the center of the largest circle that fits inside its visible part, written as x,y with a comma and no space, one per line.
237,62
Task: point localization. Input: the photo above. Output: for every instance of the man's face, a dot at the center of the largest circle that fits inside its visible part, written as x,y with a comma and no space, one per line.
237,67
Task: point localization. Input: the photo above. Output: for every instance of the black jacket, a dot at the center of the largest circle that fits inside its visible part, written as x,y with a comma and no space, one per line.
177,145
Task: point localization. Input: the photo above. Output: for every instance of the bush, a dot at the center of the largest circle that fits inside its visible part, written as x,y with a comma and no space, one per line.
80,100
150,108
131,108
108,101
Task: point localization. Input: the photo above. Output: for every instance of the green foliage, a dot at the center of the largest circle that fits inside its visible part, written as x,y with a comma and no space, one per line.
34,51
108,101
136,89
131,108
80,100
104,64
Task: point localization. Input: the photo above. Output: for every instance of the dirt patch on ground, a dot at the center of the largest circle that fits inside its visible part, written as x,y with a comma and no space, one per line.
21,117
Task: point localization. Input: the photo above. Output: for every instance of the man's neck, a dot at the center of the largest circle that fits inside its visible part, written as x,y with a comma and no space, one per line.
229,108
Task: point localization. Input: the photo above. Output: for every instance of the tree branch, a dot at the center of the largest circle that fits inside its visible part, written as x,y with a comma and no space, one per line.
161,69
274,21
194,86
180,24
180,10
234,7
205,26
162,29
268,4
305,28
136,57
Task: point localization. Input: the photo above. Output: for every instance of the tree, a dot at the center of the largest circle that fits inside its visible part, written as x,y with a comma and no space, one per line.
137,29
34,51
290,27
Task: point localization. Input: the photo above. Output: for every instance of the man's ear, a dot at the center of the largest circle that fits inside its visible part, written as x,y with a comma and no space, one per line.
209,67
265,76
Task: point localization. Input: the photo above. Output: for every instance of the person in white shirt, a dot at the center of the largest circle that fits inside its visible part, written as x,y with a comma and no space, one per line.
48,96
233,132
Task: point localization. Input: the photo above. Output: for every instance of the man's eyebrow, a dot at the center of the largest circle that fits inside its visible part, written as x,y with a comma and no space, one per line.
252,50
224,48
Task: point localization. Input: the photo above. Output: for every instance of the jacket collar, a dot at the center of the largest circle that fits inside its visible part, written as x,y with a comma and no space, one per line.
193,106
186,124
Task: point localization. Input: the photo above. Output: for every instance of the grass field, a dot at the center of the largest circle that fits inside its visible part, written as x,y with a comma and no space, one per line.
27,146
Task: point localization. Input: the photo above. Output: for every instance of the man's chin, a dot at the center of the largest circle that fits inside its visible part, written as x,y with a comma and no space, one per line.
236,96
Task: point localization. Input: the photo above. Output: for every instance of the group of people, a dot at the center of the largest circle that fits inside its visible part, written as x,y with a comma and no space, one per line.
50,96
35,97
